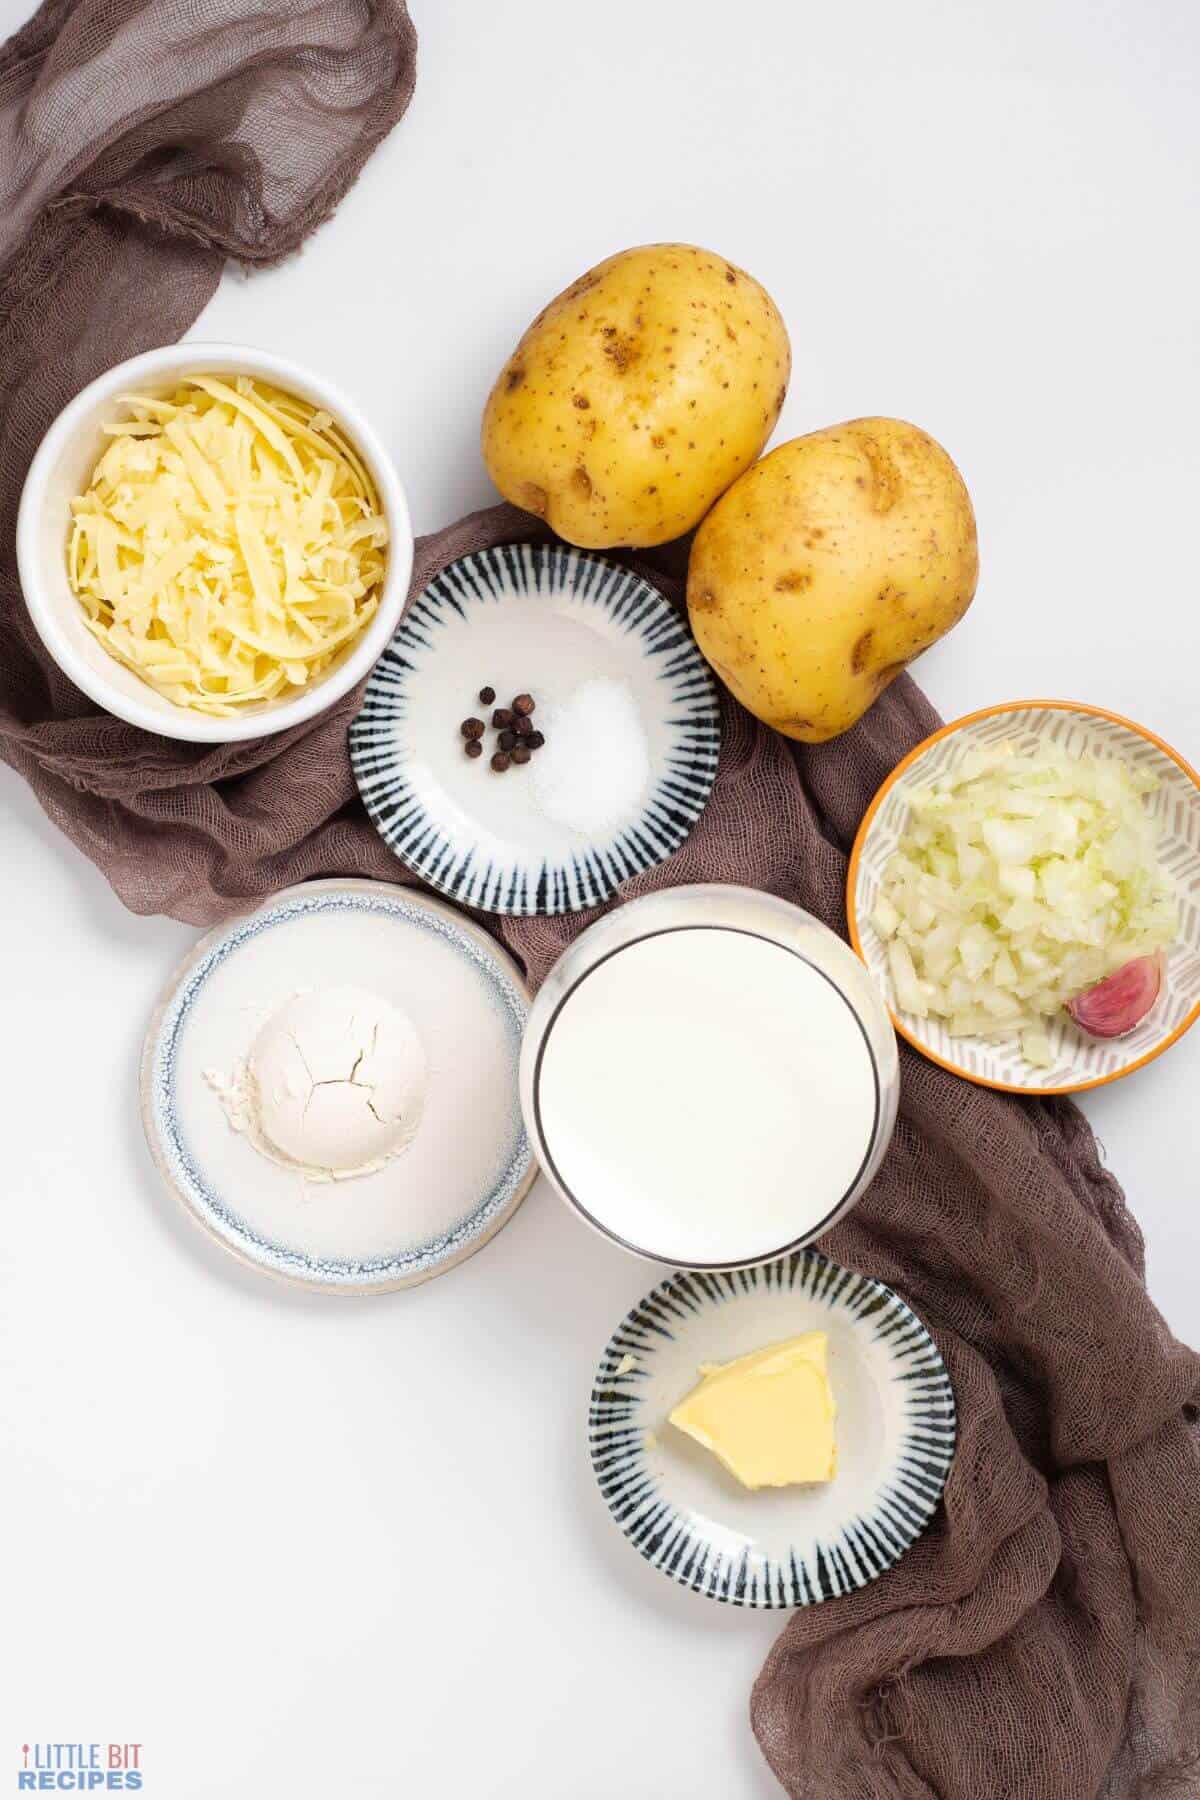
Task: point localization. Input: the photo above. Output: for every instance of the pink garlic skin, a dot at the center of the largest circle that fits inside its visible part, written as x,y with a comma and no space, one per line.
1121,1001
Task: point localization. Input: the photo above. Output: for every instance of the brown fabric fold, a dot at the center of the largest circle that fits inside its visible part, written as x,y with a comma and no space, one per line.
142,142
1040,1641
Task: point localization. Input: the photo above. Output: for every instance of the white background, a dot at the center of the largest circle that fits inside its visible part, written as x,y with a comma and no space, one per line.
301,1547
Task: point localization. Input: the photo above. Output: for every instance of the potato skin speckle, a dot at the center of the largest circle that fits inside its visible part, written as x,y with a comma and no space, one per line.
654,366
827,567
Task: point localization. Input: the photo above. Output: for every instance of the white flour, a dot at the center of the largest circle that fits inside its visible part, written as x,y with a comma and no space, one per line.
333,1085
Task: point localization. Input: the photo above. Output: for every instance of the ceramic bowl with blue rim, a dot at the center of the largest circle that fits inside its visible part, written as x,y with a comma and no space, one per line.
773,1547
624,700
469,1164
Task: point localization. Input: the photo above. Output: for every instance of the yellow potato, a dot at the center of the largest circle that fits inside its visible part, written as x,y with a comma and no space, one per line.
637,396
827,568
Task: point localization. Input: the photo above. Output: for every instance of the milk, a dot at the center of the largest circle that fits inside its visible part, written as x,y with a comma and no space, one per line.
707,1095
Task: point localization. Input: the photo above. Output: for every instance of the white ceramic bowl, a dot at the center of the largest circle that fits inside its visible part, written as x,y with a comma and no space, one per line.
1080,1062
469,1165
547,619
622,1162
796,1546
62,468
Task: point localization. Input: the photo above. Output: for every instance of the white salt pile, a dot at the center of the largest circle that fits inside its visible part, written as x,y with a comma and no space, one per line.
594,768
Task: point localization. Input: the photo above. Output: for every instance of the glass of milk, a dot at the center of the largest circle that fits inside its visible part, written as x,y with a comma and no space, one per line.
709,1076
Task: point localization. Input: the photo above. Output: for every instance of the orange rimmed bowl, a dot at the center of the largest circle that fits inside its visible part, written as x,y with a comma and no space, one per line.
1080,1061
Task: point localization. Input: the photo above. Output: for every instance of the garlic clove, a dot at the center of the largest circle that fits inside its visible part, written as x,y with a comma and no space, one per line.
1122,1000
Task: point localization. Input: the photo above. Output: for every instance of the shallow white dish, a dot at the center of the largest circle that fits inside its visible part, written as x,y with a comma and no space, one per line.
544,620
668,1168
469,1165
684,1512
1080,1062
63,467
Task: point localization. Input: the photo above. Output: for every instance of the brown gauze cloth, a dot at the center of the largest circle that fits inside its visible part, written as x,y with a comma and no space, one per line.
1039,1642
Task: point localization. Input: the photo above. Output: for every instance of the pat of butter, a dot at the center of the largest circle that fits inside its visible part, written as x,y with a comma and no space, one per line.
767,1416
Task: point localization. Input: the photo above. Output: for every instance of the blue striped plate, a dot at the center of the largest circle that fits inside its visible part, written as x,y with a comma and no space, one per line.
544,620
774,1547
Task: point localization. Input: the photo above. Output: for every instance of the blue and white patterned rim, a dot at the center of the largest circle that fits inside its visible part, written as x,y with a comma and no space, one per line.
866,1544
179,1167
464,870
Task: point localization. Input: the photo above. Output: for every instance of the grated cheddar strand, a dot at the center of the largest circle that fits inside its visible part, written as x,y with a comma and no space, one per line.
230,544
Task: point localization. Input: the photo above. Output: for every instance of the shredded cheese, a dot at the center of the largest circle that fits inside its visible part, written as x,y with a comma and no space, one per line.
230,545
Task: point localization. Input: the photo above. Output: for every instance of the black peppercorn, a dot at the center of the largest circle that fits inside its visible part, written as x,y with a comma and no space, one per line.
507,739
502,718
501,761
486,696
473,747
523,704
523,725
535,740
472,728
522,753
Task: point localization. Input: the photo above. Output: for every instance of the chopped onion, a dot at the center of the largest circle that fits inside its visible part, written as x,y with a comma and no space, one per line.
1023,880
